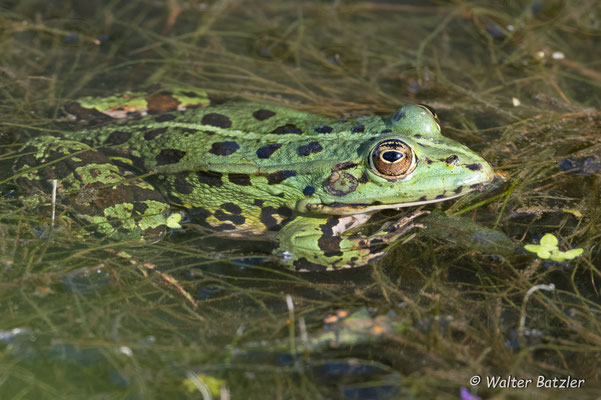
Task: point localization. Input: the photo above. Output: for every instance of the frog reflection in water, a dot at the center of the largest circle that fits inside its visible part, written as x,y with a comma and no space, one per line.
243,169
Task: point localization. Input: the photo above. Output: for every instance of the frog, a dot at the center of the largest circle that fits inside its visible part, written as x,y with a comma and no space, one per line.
308,183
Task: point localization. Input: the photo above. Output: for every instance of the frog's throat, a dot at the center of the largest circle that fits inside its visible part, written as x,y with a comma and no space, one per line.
349,209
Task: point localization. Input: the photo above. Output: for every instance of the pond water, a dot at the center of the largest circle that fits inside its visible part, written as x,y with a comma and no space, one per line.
459,310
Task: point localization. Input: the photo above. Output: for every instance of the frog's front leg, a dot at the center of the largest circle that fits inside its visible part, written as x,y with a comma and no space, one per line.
110,198
320,243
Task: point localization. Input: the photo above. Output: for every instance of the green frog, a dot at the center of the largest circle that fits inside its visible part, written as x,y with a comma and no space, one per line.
243,169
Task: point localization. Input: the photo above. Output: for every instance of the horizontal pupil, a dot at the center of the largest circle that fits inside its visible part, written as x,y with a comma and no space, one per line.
392,156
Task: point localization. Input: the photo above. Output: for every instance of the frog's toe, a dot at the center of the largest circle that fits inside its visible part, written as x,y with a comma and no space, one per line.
393,230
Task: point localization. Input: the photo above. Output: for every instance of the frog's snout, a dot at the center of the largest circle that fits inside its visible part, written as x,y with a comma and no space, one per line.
480,172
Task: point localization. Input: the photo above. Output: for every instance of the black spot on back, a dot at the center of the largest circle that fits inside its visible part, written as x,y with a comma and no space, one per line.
324,129
313,147
263,114
268,219
210,178
236,219
169,156
358,129
181,185
231,208
267,150
224,227
218,120
387,131
239,179
118,137
288,128
199,213
224,148
165,118
279,176
308,190
154,133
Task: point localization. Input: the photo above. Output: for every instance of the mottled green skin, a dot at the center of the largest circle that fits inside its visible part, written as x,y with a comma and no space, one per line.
244,169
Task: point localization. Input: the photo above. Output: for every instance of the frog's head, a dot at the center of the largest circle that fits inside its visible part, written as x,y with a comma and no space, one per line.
409,163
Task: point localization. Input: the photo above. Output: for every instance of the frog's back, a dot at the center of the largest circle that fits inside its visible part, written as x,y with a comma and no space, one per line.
230,137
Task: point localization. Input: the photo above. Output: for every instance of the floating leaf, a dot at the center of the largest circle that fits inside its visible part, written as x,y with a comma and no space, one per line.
548,249
570,254
549,242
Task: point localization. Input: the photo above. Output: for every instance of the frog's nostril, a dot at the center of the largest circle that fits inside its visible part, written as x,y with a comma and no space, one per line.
453,159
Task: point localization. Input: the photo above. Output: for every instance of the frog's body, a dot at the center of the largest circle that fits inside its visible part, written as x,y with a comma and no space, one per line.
244,169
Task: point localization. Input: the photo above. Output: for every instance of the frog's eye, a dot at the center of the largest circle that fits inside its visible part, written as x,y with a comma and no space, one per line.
393,159
432,113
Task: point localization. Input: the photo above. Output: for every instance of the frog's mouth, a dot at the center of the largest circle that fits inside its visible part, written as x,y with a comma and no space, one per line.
338,208
349,209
